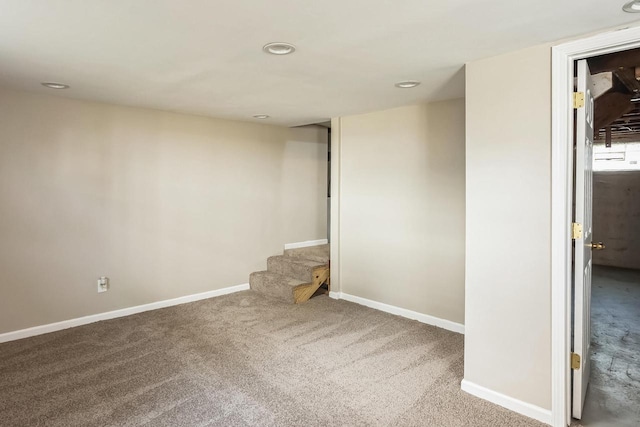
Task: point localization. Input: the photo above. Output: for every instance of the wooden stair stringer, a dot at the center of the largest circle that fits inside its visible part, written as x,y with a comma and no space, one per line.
302,293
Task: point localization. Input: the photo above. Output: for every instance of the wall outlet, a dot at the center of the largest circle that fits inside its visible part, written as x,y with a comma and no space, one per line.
103,284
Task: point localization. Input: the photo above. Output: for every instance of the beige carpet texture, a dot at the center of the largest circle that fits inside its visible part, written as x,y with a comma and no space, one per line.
244,360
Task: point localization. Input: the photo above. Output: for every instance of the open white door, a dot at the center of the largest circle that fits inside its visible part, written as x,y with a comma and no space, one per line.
582,250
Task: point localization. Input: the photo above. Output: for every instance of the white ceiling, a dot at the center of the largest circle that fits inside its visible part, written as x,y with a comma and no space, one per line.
205,56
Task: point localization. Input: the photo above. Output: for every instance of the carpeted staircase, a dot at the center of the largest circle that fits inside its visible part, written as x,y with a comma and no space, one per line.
295,276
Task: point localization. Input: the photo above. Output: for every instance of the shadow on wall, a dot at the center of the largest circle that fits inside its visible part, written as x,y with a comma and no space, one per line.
453,87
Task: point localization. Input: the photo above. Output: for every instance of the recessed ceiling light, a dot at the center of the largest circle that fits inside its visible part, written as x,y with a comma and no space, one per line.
53,85
279,48
261,116
632,7
407,84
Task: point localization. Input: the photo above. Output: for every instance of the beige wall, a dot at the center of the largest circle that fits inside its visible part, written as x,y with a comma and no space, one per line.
616,218
164,204
402,208
508,232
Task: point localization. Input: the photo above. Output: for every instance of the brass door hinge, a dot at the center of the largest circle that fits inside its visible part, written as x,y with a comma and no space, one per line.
575,361
578,99
576,230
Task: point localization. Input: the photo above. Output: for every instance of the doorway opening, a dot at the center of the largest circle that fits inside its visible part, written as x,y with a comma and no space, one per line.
564,60
606,280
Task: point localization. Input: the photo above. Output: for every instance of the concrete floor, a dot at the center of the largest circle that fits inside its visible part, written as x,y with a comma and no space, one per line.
613,396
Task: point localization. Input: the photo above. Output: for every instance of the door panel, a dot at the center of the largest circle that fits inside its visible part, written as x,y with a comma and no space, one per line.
582,248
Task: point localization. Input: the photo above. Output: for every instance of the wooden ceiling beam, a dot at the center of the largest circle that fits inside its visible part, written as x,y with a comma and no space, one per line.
628,78
620,138
602,83
614,61
610,107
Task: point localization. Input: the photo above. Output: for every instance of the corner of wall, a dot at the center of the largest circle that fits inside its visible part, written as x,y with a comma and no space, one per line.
334,238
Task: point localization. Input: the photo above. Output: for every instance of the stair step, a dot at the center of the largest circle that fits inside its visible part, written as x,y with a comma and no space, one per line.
275,285
316,253
298,268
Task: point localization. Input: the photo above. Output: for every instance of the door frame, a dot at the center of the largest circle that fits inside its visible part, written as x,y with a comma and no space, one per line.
562,60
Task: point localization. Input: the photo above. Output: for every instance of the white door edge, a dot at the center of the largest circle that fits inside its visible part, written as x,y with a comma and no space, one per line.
583,252
563,57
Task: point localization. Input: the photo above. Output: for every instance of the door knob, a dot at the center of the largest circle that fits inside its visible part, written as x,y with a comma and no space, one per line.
598,246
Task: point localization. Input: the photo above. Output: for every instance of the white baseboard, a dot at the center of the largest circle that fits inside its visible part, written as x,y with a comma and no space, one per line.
403,312
306,244
58,326
523,408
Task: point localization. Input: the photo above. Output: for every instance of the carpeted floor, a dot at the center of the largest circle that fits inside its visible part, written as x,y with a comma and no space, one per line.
244,360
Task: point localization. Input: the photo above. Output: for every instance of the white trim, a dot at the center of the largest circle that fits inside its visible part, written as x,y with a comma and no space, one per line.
524,408
305,244
336,183
52,327
563,57
403,312
561,217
